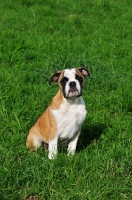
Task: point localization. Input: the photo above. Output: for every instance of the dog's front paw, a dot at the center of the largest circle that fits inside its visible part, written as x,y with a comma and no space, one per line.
71,152
52,156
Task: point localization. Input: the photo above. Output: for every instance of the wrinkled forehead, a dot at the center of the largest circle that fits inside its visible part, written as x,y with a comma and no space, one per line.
70,73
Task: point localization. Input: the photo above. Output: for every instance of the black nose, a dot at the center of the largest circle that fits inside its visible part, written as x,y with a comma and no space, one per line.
72,84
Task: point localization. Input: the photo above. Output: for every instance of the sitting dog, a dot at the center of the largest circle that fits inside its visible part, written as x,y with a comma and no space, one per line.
63,118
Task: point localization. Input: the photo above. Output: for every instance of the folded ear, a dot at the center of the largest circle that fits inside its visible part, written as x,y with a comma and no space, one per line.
55,76
83,71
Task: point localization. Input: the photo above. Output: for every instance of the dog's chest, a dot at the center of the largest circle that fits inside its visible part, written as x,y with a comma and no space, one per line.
69,118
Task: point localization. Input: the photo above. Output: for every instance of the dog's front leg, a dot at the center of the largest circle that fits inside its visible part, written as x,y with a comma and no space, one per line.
72,144
53,148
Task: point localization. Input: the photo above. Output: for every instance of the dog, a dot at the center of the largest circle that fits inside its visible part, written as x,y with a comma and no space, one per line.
63,118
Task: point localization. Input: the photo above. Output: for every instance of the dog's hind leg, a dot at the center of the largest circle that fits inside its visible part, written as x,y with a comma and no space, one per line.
33,141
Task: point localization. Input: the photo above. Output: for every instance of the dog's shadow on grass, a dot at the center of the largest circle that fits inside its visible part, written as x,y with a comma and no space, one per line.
89,134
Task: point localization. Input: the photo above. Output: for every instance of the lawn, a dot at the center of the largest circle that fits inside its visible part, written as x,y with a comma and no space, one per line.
38,37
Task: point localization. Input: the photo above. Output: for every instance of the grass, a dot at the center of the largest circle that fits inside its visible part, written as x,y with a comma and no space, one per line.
36,39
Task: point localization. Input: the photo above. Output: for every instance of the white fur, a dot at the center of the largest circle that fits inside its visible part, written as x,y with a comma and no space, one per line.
69,118
53,148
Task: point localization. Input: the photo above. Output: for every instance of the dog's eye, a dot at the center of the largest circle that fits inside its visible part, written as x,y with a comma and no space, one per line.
65,79
79,78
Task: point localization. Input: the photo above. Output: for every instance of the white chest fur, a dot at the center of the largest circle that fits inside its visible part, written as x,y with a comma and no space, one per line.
69,117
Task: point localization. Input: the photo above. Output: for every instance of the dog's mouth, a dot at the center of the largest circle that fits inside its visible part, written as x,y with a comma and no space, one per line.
73,93
72,90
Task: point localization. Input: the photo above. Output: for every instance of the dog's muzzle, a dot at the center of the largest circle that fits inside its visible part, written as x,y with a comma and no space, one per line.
73,91
72,86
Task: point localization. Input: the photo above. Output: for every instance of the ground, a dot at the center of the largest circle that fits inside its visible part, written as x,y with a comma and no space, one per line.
36,39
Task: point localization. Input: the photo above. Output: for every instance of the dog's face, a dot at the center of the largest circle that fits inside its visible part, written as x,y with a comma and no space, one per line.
71,81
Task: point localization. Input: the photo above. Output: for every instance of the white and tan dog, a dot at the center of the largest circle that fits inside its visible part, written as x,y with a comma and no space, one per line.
63,118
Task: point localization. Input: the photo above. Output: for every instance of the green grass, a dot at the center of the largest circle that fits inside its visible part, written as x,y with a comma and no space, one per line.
36,39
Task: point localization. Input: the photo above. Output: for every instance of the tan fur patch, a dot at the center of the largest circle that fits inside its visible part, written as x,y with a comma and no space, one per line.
57,100
45,127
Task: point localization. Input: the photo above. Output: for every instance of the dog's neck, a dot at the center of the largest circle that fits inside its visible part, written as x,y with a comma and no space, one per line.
59,99
72,101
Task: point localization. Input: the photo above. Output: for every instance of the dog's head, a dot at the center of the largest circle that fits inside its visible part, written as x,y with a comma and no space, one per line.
71,81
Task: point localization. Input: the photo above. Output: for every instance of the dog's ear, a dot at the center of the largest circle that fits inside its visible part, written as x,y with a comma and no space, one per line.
55,77
83,71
